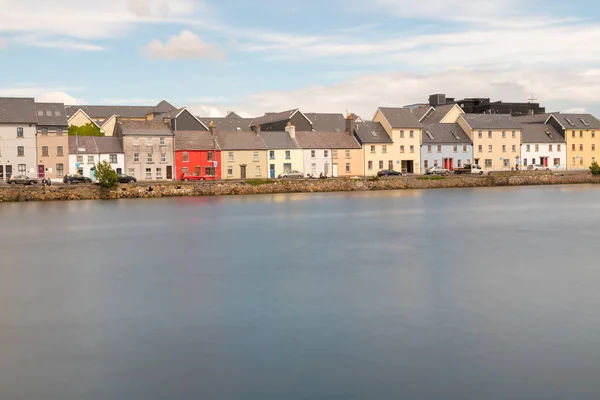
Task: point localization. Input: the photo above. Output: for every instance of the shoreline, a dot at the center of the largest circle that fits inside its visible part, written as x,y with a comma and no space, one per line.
249,187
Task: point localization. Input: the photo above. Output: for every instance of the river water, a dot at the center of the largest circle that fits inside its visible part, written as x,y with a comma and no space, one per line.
439,294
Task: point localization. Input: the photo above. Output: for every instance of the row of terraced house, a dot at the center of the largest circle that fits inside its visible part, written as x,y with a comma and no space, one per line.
163,142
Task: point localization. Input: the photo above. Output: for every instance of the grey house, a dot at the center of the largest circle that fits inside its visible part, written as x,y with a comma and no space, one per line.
279,121
445,145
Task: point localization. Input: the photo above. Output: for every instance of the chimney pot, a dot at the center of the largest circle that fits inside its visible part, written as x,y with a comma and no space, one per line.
212,128
291,129
257,129
349,124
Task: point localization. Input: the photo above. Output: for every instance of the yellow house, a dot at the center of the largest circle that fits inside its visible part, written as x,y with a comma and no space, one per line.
377,148
405,130
496,140
243,155
581,133
284,154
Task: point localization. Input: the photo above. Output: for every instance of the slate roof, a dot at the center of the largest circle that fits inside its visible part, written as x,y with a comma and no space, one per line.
532,118
144,128
278,140
51,114
17,110
327,122
576,119
420,112
163,107
95,145
103,112
232,115
195,140
491,121
229,123
540,133
240,141
438,114
400,117
326,140
273,117
445,134
371,132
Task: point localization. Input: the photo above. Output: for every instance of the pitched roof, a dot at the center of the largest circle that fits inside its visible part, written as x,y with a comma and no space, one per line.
444,134
17,110
532,118
144,128
240,141
327,122
229,123
232,115
577,121
103,112
400,117
371,132
51,114
95,145
540,133
326,140
420,111
274,117
278,140
491,121
439,113
195,140
163,107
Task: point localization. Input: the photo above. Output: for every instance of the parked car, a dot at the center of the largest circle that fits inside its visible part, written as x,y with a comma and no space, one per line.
435,170
191,176
123,178
389,172
22,180
292,174
538,167
469,169
76,178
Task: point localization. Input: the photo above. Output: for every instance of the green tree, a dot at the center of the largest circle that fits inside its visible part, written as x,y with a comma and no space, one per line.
107,177
595,168
85,130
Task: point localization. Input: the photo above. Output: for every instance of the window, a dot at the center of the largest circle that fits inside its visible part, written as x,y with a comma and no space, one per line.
464,148
573,161
334,153
313,168
429,149
490,149
271,155
480,149
348,170
537,148
580,147
288,155
504,148
533,161
557,162
489,134
136,141
580,134
326,153
412,149
514,134
488,163
158,173
79,159
573,147
148,141
593,147
581,161
528,148
113,158
59,131
21,151
19,132
60,169
439,148
44,151
550,148
455,148
573,134
313,154
40,113
412,134
149,158
209,156
136,157
426,164
148,173
384,149
230,156
506,163
459,163
558,147
380,164
257,171
525,162
186,156
162,141
401,134
514,148
90,160
593,134
230,171
184,170
347,153
372,149
370,166
401,148
435,163
480,135
22,169
503,134
59,151
255,156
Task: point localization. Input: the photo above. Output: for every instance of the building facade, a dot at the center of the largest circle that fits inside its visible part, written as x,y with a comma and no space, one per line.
85,152
284,154
581,133
445,145
377,147
198,153
18,128
243,155
542,144
52,141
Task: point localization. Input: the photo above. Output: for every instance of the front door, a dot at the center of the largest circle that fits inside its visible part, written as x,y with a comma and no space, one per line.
198,171
41,172
8,171
93,174
170,172
326,169
242,172
272,171
335,170
1,172
390,164
545,161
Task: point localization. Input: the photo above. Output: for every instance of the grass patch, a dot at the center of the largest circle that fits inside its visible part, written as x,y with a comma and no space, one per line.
431,178
259,182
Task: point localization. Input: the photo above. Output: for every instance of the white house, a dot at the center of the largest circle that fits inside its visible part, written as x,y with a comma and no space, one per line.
87,151
18,127
326,151
542,144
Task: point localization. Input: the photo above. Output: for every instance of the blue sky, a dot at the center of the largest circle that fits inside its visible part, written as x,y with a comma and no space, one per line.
330,56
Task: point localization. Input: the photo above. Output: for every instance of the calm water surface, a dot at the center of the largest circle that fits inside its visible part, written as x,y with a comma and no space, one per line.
453,294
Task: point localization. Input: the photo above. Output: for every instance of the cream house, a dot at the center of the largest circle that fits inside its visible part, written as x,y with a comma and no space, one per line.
377,148
284,154
243,155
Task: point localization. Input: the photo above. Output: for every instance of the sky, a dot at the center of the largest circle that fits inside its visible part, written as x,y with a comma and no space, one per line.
263,56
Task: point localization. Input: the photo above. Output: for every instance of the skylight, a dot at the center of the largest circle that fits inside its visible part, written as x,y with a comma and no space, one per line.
373,133
40,113
57,113
455,135
48,113
238,129
337,129
430,135
583,121
549,134
569,121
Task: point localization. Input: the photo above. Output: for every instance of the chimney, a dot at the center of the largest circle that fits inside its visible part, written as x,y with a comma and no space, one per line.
349,125
257,129
212,128
167,119
291,129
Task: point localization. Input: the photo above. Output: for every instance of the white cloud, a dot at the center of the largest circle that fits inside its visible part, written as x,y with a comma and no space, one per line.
58,97
185,46
57,43
42,94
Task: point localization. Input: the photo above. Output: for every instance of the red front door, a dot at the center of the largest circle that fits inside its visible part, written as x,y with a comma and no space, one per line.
41,172
545,161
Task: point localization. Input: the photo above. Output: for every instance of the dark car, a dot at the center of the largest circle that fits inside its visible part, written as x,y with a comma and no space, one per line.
389,172
76,178
22,179
126,179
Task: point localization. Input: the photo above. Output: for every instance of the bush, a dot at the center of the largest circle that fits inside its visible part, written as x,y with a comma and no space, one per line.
107,177
85,130
595,168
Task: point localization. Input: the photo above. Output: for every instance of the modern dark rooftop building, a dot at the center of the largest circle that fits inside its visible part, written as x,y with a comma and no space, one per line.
482,105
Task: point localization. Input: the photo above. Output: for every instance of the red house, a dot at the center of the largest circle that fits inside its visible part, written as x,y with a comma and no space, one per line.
197,152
